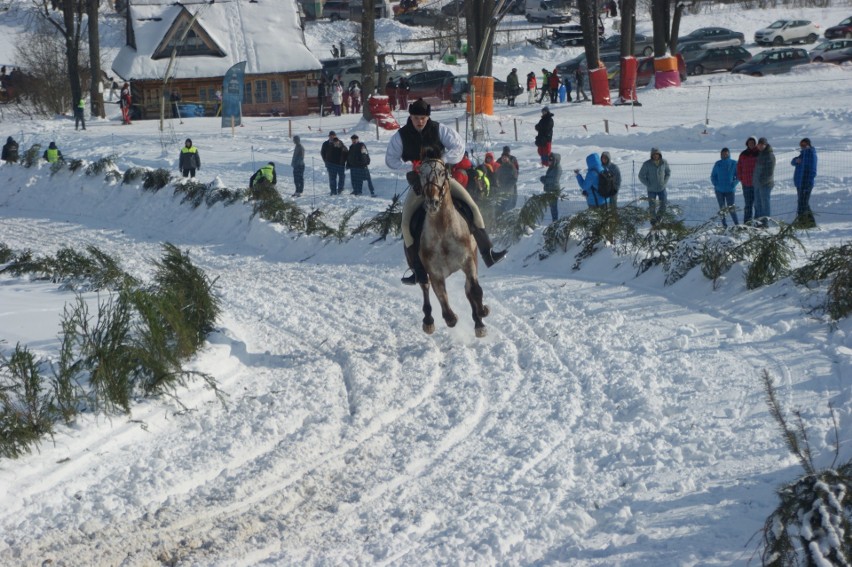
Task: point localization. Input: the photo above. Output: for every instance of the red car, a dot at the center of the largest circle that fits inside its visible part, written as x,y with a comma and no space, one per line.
842,30
645,72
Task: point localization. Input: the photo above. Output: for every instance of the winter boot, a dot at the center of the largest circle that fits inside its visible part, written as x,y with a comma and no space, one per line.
419,275
486,249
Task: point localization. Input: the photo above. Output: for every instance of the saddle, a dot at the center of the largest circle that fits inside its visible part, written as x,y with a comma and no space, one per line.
419,218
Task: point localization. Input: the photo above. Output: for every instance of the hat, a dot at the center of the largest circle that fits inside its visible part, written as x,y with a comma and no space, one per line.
762,141
545,109
272,163
332,133
725,150
353,137
514,70
507,150
297,139
751,139
188,141
419,108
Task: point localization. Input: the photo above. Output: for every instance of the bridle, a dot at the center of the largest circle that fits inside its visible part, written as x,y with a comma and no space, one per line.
439,179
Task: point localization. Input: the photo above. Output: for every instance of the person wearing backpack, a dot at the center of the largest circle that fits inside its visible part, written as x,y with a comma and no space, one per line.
589,184
10,151
610,182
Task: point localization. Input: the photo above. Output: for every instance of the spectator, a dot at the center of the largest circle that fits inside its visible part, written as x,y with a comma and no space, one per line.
745,173
10,151
805,171
52,153
333,153
174,99
545,135
724,178
532,85
552,180
390,92
460,170
654,175
190,159
402,88
265,174
355,96
589,184
606,162
764,181
334,51
579,77
512,87
336,97
507,181
545,85
553,84
125,103
357,162
80,114
218,97
298,165
321,87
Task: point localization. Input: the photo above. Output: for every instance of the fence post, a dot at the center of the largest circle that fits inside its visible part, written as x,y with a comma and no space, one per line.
515,121
707,112
606,125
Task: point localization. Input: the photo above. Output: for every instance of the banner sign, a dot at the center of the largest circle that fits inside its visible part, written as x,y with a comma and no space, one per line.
232,95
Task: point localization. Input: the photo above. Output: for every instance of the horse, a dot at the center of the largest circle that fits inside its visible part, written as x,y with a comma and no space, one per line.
446,246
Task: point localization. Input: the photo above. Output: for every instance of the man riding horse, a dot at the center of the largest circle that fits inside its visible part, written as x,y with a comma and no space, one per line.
421,136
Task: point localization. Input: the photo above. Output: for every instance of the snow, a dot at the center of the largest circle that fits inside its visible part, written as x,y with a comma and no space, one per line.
605,420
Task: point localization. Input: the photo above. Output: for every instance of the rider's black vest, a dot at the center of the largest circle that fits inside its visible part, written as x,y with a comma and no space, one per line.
414,143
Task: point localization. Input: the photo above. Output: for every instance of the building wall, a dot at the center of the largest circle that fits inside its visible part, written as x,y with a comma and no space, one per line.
275,94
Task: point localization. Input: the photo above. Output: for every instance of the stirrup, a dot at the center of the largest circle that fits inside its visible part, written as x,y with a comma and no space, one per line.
409,280
491,257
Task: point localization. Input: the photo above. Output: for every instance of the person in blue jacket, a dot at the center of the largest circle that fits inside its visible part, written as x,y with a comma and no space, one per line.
724,179
589,184
805,171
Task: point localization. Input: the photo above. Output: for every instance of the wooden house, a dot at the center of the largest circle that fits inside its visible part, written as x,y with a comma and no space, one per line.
185,49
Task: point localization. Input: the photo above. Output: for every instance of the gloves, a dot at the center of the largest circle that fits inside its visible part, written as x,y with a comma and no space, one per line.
413,179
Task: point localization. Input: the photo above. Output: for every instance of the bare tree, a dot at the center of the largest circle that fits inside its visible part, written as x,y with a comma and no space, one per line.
70,27
368,55
96,98
628,27
589,24
481,21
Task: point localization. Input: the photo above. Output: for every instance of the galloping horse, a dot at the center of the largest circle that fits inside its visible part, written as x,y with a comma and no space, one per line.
446,246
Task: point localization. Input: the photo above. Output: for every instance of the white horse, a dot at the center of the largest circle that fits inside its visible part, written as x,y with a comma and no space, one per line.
446,246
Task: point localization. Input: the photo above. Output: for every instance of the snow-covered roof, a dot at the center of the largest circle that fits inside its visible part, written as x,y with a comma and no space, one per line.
266,34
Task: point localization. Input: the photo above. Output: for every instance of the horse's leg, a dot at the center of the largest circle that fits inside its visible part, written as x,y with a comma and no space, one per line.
428,321
440,287
474,295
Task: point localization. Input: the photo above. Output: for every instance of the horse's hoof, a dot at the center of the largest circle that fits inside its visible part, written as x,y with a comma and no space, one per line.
485,311
451,322
481,332
428,329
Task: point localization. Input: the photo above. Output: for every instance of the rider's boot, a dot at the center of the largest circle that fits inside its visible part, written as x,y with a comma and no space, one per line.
486,248
418,275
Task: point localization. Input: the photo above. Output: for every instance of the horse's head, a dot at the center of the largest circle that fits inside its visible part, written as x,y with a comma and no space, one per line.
435,183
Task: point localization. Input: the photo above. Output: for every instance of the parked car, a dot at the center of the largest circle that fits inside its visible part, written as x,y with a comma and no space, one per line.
353,73
459,87
773,61
548,12
430,84
712,35
716,59
833,51
425,17
642,44
645,70
843,29
571,34
787,31
568,67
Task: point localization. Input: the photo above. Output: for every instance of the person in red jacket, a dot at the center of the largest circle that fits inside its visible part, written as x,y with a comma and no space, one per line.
460,170
532,85
745,173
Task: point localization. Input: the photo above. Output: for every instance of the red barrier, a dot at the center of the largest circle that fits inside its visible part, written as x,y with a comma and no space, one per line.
627,80
666,72
380,109
599,84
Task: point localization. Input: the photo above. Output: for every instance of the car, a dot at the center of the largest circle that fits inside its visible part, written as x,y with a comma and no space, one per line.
430,84
642,44
459,87
843,29
549,12
568,67
712,35
773,61
716,59
353,73
787,31
428,17
571,34
645,71
833,51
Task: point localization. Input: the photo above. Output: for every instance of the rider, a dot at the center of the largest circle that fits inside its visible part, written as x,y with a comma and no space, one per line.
421,136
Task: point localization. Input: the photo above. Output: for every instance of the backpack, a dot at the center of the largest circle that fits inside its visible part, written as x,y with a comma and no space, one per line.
606,184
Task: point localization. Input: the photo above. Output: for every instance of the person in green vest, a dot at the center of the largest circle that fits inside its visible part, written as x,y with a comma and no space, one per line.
265,174
80,114
190,160
52,153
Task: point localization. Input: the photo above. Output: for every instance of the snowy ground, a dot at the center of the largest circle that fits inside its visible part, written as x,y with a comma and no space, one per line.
605,420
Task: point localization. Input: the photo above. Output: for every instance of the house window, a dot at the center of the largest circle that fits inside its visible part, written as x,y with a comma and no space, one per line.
247,94
202,94
277,95
298,88
261,94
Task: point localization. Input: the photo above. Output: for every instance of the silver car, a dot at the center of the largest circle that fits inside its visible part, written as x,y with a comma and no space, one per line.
833,51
